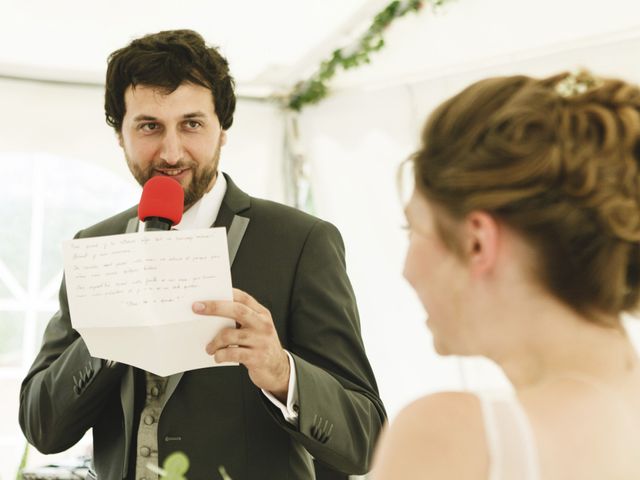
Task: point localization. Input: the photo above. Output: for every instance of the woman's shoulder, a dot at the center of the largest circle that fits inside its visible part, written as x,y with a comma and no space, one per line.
437,436
442,409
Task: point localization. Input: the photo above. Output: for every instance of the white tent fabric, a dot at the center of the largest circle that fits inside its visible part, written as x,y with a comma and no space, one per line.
51,69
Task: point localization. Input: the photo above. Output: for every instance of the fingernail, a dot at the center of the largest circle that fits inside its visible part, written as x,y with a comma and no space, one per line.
198,307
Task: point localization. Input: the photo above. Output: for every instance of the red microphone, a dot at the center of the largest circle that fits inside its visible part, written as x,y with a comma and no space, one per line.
161,203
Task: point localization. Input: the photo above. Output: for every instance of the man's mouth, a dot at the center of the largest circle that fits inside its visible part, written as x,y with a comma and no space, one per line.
171,172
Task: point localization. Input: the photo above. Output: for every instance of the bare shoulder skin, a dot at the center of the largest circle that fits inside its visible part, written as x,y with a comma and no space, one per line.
440,436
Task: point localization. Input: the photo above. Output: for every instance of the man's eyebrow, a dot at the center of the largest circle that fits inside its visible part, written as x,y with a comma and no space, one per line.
194,115
143,117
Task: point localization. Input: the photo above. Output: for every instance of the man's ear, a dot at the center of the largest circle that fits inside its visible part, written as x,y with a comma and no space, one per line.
223,137
482,242
120,139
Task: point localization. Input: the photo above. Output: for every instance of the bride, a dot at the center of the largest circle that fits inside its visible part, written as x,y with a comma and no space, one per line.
524,229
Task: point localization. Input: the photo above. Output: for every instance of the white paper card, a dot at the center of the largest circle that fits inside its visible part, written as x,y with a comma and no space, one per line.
130,296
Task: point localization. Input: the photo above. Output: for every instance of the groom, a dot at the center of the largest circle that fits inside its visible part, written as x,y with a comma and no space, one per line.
304,388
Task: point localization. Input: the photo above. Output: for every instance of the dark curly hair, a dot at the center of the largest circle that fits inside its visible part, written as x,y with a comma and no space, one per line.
561,169
166,60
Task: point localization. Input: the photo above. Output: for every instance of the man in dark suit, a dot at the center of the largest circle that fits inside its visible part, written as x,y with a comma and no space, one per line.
303,389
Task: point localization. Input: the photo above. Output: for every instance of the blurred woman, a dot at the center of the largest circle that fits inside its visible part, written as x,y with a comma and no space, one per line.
525,248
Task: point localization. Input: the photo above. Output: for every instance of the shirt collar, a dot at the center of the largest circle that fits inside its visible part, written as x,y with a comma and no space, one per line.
204,212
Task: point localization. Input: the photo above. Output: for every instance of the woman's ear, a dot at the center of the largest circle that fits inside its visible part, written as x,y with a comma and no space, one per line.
482,234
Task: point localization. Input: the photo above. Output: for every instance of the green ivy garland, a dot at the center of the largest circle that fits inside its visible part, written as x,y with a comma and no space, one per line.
315,89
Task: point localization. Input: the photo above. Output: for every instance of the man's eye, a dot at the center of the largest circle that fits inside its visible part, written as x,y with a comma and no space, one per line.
193,124
148,127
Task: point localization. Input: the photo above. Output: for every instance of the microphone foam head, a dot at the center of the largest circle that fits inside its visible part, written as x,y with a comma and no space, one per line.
161,197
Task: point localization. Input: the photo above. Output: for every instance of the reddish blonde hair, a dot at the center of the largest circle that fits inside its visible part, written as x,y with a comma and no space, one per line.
558,167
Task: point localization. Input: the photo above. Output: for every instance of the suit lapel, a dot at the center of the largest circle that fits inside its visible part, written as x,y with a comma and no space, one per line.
126,400
127,383
235,225
235,201
234,235
132,225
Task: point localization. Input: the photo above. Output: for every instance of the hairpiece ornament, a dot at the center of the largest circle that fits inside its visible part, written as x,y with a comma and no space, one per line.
576,83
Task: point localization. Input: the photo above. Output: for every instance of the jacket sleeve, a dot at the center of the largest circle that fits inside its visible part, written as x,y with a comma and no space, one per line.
65,390
340,411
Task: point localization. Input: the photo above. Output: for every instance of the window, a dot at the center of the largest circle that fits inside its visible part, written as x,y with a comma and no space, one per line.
44,199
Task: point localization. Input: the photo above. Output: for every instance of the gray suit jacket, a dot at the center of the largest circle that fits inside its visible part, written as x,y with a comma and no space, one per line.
294,265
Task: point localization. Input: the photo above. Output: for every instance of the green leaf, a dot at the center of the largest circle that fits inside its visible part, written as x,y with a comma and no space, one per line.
223,473
175,466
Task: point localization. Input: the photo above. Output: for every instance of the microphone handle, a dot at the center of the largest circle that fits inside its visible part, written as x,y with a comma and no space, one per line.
154,224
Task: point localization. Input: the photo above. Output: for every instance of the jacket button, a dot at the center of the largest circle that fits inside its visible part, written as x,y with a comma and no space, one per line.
145,451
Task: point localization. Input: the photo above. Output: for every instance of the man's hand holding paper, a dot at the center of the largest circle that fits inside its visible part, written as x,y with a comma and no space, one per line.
255,344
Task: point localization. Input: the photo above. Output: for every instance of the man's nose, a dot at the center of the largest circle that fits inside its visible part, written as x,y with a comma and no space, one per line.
172,150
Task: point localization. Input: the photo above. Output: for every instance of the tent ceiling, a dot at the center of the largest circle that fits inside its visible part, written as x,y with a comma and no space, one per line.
475,34
265,41
273,44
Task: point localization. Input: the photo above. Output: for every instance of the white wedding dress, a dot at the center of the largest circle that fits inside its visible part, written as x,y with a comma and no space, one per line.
512,446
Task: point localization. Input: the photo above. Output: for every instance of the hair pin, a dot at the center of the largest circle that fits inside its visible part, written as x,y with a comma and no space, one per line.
576,83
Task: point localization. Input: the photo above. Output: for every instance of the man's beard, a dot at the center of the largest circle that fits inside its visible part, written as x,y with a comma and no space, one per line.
201,177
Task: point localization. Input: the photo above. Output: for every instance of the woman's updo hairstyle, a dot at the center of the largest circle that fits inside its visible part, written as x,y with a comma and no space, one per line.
555,159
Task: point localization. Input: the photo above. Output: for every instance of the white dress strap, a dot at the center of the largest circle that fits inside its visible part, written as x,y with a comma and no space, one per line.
512,449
